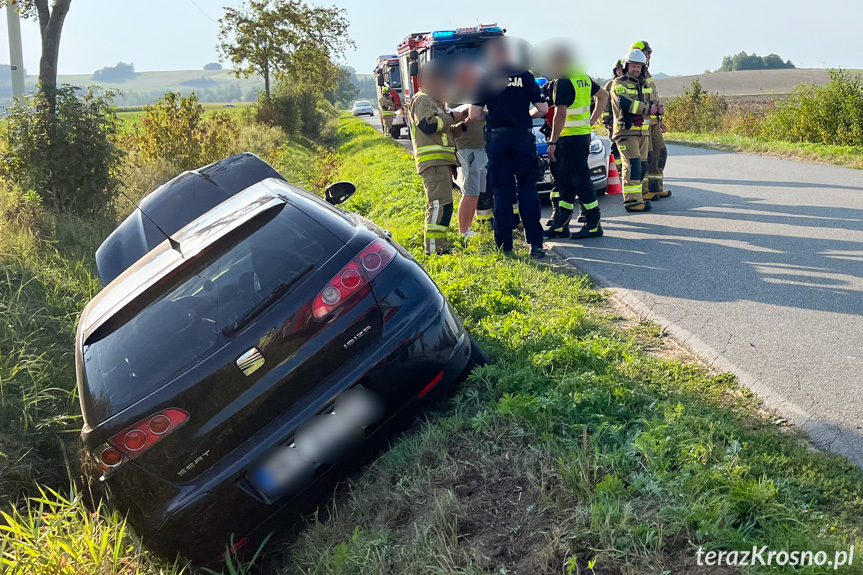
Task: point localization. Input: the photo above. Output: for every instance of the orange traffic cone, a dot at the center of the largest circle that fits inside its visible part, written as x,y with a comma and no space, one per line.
614,185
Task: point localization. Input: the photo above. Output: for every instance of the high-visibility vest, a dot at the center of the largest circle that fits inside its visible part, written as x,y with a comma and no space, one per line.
578,115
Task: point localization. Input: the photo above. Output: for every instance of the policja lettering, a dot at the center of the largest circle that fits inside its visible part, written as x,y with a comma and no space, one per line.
516,82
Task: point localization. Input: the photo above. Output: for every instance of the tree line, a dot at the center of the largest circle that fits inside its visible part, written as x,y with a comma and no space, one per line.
744,61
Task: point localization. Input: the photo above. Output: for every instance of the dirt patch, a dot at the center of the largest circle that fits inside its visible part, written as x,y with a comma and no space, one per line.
507,521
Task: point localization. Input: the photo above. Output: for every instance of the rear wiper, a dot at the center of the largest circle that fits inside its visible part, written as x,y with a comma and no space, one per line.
280,291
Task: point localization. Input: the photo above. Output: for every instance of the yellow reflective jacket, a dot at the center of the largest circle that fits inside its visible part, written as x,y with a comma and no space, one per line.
436,148
630,105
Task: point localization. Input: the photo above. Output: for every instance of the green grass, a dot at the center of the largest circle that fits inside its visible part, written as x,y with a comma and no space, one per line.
847,156
577,447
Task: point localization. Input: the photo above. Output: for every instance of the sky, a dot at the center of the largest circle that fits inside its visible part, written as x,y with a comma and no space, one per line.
688,36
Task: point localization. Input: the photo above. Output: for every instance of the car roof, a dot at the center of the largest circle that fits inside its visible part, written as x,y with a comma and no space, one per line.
174,205
193,239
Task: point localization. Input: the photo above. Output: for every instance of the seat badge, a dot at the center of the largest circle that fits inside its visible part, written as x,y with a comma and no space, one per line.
251,361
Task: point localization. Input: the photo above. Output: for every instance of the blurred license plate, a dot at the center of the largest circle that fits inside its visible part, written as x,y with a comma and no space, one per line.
325,438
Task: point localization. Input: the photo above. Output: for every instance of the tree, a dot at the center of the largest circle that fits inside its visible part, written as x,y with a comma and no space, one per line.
744,61
284,38
50,26
119,73
345,91
213,66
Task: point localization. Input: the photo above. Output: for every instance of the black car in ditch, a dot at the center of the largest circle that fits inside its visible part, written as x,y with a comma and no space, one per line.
253,344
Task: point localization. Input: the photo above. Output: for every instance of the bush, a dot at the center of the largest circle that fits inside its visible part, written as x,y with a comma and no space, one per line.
67,157
295,109
695,110
830,114
176,130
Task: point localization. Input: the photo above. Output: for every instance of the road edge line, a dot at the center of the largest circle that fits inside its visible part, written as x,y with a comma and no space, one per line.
825,436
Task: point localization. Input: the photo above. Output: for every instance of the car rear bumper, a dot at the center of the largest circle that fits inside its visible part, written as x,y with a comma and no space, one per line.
208,512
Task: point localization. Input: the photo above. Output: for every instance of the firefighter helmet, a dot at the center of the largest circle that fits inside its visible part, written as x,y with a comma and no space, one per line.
641,45
636,56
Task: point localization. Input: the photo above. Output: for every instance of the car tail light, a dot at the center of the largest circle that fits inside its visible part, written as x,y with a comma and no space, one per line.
110,458
351,278
135,440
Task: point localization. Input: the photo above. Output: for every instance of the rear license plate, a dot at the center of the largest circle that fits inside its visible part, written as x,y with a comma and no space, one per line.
325,438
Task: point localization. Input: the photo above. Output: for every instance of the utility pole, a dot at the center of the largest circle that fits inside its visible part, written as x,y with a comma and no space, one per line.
16,54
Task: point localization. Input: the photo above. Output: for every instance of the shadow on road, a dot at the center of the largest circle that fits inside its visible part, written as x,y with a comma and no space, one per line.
763,183
801,265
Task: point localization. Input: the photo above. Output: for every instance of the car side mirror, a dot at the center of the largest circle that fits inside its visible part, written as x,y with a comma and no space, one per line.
339,192
414,69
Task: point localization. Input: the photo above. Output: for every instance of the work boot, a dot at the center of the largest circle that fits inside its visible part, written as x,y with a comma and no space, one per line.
582,217
559,227
645,207
663,194
591,229
537,252
647,196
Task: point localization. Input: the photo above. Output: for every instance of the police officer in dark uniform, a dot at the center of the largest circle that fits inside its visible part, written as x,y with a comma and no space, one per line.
508,94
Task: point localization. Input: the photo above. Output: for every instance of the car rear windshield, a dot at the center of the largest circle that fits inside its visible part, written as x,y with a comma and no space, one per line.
184,325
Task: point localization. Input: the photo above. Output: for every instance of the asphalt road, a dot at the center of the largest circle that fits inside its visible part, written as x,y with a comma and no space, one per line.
755,263
376,123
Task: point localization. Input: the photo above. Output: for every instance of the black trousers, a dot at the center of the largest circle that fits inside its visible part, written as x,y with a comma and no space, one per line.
573,174
512,173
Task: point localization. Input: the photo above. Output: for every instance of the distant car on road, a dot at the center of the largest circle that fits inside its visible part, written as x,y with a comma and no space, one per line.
363,108
253,344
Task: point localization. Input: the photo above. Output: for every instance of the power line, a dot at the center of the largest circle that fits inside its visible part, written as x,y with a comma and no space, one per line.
202,11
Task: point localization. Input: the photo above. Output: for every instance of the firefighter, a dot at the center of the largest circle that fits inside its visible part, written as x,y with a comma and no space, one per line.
471,179
434,151
508,96
631,108
569,145
654,179
608,117
387,110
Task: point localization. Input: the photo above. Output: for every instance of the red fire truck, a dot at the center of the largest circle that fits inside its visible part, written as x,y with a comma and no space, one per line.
420,47
387,74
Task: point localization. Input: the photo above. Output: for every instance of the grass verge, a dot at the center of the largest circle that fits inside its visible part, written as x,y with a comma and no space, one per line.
846,156
577,451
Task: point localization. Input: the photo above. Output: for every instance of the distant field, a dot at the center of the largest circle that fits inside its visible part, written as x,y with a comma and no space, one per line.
128,116
163,81
745,83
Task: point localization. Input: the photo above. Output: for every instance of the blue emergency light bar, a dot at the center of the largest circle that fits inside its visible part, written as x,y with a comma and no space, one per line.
473,30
